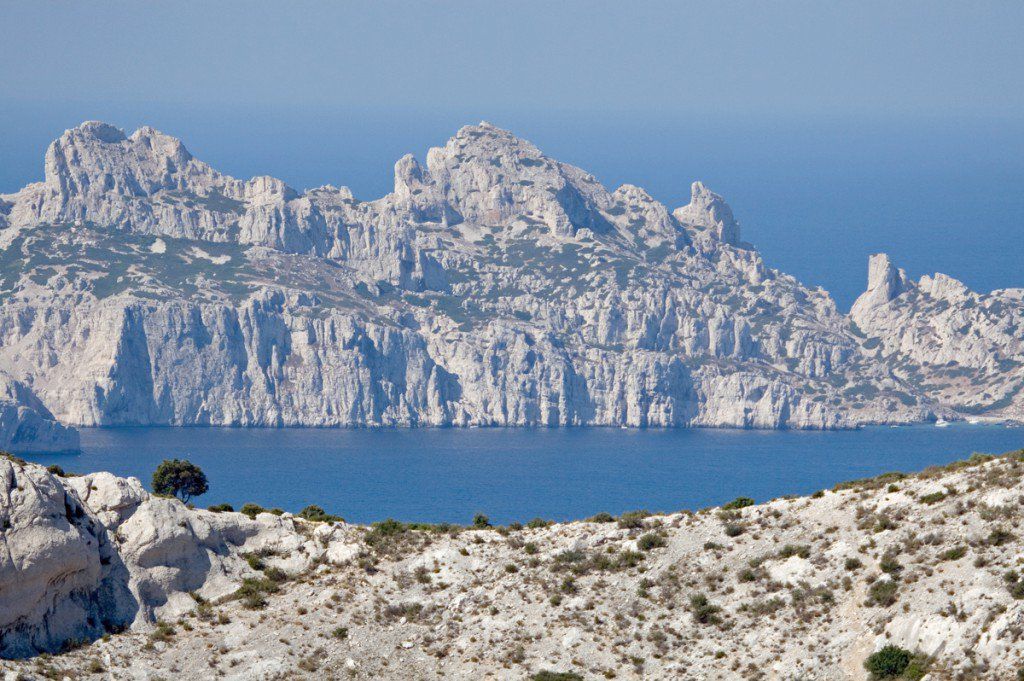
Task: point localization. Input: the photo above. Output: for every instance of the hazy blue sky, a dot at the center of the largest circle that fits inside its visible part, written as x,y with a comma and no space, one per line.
837,128
709,57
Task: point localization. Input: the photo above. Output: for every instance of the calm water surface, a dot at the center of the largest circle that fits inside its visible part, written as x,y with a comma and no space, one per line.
447,475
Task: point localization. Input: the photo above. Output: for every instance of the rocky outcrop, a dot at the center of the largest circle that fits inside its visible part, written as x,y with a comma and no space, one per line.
841,573
962,347
27,426
495,286
96,553
709,212
61,579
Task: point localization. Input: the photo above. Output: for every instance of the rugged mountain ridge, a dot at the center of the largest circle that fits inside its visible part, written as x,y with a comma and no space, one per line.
962,347
493,286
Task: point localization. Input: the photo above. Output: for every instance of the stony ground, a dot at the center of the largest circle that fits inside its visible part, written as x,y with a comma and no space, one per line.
797,588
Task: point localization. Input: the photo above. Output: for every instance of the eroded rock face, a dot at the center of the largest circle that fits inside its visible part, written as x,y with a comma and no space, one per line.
26,425
96,553
493,286
964,348
61,579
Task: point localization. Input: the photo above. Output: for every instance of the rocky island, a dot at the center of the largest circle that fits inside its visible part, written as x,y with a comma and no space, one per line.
911,574
493,286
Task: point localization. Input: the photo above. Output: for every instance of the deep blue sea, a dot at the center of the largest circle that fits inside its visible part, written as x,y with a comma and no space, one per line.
449,474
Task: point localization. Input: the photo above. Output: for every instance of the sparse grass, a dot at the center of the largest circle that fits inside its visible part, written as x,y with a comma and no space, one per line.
955,553
556,676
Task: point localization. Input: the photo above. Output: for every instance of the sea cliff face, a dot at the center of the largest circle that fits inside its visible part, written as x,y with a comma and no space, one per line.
493,286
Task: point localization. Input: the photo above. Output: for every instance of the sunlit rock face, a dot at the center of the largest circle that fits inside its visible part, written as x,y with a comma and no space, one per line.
89,554
493,286
965,349
26,425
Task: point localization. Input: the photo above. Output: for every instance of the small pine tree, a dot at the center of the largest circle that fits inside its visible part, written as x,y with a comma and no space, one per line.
180,478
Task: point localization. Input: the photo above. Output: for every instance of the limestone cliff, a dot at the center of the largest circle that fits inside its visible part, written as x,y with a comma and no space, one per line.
963,348
493,286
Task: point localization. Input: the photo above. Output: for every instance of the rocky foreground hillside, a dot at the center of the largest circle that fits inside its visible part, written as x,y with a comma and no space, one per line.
493,286
797,588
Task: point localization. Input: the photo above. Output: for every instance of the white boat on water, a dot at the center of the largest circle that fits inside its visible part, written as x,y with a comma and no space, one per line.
941,423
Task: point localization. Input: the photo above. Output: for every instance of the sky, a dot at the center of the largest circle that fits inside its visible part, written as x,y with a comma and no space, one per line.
834,129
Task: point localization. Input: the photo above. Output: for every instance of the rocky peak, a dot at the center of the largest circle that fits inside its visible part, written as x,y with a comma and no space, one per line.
709,212
490,176
885,282
97,159
944,287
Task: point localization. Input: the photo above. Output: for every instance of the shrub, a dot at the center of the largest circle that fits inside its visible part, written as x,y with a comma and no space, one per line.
747,575
633,520
890,565
882,593
629,559
316,514
1014,584
955,553
933,498
340,633
162,632
889,662
738,502
556,676
602,517
999,536
252,510
530,548
853,564
537,523
252,592
56,470
733,530
179,478
704,611
221,508
650,541
481,521
789,550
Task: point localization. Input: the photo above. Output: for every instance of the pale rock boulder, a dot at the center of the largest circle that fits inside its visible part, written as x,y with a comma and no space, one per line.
61,578
83,555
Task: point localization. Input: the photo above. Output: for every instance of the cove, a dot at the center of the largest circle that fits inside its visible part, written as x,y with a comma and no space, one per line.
515,474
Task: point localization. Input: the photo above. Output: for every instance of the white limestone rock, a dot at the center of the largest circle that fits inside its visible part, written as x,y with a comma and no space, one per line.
60,575
962,348
27,426
82,555
493,286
